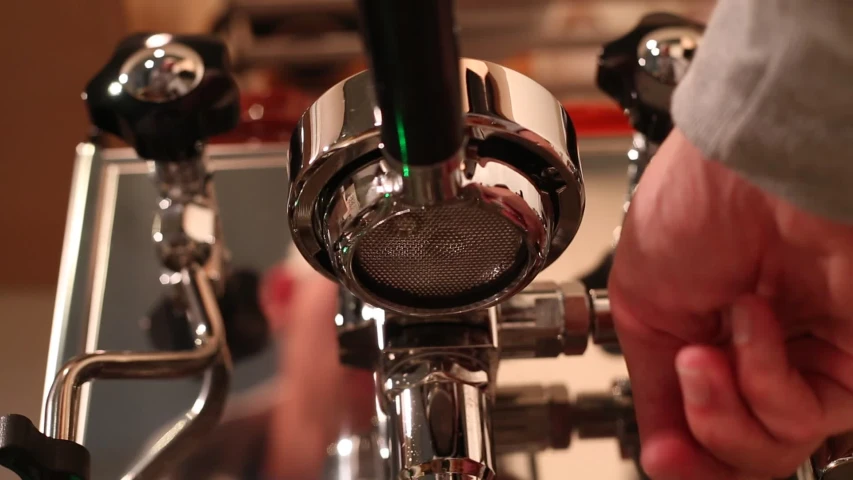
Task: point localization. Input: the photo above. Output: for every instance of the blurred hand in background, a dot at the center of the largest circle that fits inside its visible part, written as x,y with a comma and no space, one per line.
319,399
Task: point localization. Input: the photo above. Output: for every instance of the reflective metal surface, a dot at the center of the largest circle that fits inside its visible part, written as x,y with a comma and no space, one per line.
67,313
610,415
61,411
359,457
641,69
439,414
160,74
544,320
602,328
805,472
437,382
436,389
666,53
187,228
532,419
181,180
185,232
520,167
124,284
663,59
446,430
429,185
115,282
641,153
834,460
495,195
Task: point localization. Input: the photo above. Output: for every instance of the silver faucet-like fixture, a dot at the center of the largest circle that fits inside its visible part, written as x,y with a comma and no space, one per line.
439,409
442,239
432,265
435,189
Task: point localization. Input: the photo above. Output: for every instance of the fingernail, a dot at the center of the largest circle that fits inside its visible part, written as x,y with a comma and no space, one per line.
741,324
694,386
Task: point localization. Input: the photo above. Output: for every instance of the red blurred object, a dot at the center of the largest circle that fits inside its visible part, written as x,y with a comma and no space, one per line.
270,118
598,120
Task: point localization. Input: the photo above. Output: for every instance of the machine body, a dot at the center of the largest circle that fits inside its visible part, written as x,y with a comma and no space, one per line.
434,189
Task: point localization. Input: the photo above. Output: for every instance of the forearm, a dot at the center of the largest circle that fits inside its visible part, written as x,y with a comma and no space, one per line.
770,94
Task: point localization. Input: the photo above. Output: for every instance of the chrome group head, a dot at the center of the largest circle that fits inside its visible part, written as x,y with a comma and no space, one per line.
447,238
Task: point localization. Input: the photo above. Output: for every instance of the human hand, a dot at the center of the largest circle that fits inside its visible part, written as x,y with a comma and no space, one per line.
735,313
319,399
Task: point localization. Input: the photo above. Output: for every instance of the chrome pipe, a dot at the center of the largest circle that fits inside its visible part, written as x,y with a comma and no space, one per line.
834,459
442,426
62,408
437,391
806,472
640,155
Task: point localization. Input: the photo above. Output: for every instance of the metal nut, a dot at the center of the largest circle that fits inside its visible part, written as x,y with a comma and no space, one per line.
576,318
185,233
603,329
530,324
532,418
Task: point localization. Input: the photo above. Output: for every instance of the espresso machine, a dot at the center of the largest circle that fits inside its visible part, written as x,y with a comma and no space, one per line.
433,188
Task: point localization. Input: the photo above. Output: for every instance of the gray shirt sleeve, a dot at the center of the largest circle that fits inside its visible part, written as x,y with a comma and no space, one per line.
770,94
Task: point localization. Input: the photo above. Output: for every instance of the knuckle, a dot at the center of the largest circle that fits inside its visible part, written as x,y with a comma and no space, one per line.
781,416
715,439
759,391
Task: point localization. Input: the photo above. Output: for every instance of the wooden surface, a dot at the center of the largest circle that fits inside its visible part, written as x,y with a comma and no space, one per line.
48,49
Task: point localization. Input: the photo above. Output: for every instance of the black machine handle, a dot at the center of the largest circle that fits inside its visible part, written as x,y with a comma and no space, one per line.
414,59
624,76
165,94
35,456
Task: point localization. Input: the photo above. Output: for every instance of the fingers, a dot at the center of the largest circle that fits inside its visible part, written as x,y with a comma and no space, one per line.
723,424
668,449
827,369
649,355
674,455
734,425
308,415
310,342
777,393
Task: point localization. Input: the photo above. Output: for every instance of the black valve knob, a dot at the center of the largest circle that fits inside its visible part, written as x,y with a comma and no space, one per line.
246,328
35,456
641,69
164,94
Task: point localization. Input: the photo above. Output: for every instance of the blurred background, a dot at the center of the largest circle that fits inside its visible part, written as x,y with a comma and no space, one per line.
286,52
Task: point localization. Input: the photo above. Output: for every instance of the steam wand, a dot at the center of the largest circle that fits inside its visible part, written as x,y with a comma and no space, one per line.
165,96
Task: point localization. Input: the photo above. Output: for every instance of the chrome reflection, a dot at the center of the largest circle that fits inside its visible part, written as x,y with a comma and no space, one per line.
160,74
519,169
666,53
